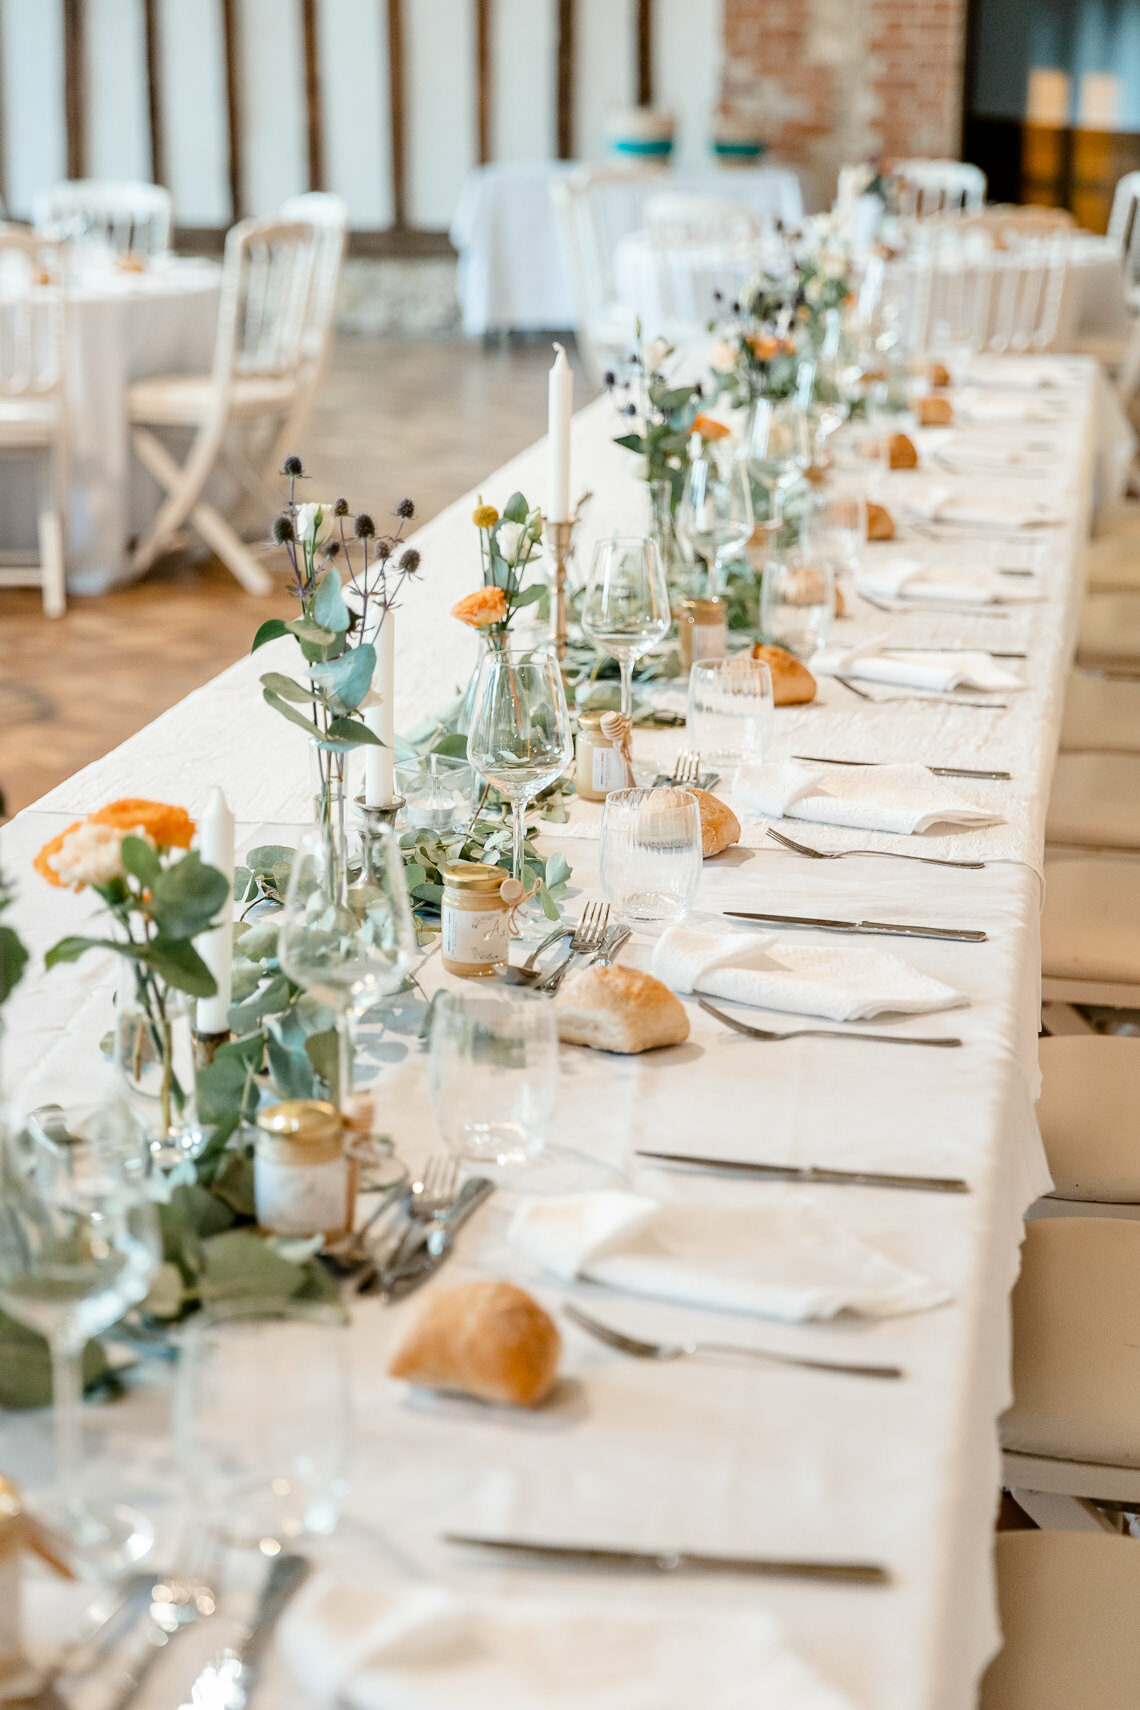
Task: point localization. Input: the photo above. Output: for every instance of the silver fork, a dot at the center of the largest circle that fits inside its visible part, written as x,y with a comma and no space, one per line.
431,1193
588,938
687,769
644,1350
837,854
926,695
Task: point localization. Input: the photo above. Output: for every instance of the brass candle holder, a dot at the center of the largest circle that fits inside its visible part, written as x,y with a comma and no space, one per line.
559,538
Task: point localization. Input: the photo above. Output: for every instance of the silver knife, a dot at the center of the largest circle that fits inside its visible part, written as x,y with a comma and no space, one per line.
420,1261
678,1561
991,652
812,1173
228,1681
939,771
886,928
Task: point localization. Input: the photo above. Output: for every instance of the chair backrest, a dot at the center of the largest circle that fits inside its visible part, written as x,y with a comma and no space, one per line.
32,316
1124,232
328,216
130,218
688,216
267,274
938,187
951,293
597,206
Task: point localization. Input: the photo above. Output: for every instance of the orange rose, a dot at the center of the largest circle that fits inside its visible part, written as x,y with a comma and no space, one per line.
167,827
710,429
49,849
485,606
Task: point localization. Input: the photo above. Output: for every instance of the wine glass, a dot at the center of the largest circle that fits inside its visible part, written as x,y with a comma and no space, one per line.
777,450
79,1245
625,610
346,934
520,738
494,1074
715,515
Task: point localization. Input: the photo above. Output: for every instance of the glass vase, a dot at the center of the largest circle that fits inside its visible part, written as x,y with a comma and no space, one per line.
328,774
154,1052
663,529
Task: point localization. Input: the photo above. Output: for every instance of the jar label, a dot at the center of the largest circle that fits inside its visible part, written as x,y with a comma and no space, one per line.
300,1199
607,771
708,641
475,935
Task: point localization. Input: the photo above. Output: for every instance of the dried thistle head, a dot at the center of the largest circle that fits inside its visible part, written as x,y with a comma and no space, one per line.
364,528
406,509
340,509
292,466
383,548
283,528
332,547
410,561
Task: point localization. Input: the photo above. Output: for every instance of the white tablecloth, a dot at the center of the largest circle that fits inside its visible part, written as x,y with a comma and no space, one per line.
640,1454
121,328
513,275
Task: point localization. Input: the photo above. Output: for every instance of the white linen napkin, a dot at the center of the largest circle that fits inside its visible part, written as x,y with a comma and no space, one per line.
787,1259
969,454
911,579
931,501
1020,373
902,799
395,1645
840,983
939,672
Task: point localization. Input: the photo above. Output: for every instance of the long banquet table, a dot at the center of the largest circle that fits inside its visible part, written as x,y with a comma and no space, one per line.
704,1456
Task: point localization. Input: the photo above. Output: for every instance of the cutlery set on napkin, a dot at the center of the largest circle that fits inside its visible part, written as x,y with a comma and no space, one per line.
905,579
902,799
939,673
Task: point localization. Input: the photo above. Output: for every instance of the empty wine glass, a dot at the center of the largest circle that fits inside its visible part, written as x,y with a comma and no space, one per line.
650,854
731,710
520,738
346,933
715,517
777,449
625,609
494,1074
79,1245
797,600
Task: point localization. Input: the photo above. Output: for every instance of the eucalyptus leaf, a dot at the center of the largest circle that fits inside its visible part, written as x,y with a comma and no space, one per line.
13,961
176,961
287,688
313,635
327,606
140,859
273,699
271,630
348,679
267,856
516,509
25,1366
351,734
186,896
239,1265
323,1052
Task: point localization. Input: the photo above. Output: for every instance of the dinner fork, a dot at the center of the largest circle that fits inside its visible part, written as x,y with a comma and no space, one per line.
645,1350
431,1193
763,1033
837,854
589,935
687,768
939,695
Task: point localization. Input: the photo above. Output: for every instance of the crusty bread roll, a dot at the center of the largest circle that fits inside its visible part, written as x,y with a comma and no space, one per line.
840,602
880,522
619,1009
901,453
488,1339
792,682
719,825
935,412
939,374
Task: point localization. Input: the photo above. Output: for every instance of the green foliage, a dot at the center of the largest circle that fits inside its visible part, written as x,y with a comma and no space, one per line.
13,955
25,1366
507,560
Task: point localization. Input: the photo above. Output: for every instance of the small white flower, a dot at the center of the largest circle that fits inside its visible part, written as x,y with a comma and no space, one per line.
723,356
655,353
510,540
310,524
91,855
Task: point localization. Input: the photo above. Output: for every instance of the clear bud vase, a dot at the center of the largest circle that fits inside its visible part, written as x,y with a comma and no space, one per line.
328,774
154,1052
663,529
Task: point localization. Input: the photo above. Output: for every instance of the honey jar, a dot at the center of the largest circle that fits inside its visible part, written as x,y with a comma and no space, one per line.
598,767
476,927
303,1181
702,631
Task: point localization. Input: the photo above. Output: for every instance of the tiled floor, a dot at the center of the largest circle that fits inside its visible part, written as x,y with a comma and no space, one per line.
398,417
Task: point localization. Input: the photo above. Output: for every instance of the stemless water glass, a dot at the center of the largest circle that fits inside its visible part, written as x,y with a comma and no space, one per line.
262,1414
346,933
731,710
835,529
79,1245
715,515
797,600
777,450
625,610
494,1074
519,739
650,856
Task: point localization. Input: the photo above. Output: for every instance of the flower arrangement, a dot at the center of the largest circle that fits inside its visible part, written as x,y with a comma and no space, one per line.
13,955
664,413
507,546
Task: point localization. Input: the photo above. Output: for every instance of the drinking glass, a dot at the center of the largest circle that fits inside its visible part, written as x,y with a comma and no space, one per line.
625,609
777,450
731,710
520,739
797,600
346,934
262,1412
650,855
835,529
715,516
494,1074
79,1245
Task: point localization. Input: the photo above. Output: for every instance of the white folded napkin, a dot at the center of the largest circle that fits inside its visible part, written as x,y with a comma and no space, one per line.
902,799
1019,373
787,1258
939,502
989,454
940,672
395,1645
840,983
911,579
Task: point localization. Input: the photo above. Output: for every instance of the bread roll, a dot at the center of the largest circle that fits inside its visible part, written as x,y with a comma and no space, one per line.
792,682
935,412
880,522
939,374
840,602
719,825
901,452
488,1339
619,1009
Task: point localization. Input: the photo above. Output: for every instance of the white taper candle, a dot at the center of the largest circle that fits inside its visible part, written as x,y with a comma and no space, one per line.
380,763
560,409
216,847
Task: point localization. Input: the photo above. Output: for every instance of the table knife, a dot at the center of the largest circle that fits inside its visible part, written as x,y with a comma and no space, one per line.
939,771
813,1173
417,1262
228,1681
678,1561
884,928
990,652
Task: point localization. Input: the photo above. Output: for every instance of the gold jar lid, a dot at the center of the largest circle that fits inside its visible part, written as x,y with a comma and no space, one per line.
474,876
302,1122
590,720
702,611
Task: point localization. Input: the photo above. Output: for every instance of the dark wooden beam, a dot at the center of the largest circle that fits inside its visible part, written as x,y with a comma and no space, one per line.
75,86
483,81
313,94
154,92
566,79
231,31
403,242
398,110
645,53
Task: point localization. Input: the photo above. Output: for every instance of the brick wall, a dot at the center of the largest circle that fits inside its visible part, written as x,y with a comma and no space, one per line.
840,80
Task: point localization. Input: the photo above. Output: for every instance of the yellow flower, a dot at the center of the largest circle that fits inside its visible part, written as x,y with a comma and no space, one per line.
485,606
484,516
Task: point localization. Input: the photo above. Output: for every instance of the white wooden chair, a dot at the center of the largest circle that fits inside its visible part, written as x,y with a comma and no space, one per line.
266,283
963,292
595,206
131,219
1124,232
328,216
687,215
33,409
928,187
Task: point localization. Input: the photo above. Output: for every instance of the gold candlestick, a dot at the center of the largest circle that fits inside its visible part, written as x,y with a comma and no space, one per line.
559,536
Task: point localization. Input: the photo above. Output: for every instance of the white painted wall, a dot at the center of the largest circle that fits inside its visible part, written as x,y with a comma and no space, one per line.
440,84
192,60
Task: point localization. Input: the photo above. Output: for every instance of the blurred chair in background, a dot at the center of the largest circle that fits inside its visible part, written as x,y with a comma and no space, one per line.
131,219
33,414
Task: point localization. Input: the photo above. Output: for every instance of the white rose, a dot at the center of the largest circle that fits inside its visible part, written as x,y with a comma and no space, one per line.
723,356
310,524
510,539
91,855
655,353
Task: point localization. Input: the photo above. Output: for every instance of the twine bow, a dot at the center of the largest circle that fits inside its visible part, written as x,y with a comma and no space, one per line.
515,895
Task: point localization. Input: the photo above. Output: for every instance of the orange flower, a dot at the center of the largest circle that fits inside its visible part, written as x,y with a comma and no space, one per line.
710,429
485,606
765,346
49,849
167,827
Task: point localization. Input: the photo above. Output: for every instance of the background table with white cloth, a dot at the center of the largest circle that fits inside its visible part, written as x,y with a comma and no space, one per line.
636,1453
513,273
